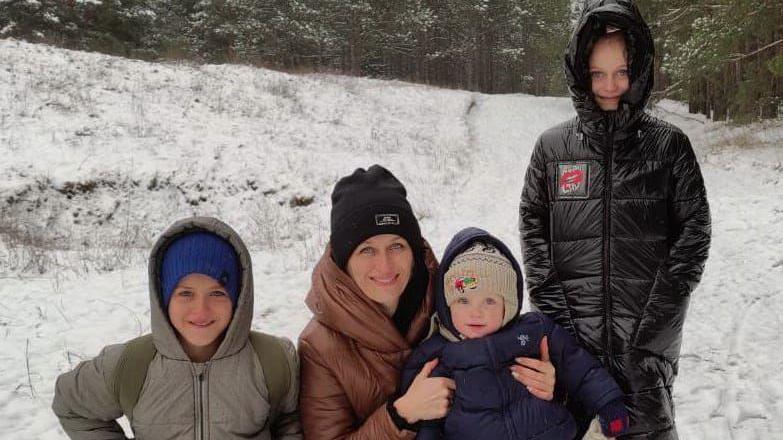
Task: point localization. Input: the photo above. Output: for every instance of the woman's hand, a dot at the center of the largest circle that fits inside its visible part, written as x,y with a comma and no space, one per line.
427,398
537,375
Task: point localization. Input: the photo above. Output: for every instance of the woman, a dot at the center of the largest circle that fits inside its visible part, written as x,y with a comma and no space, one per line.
371,300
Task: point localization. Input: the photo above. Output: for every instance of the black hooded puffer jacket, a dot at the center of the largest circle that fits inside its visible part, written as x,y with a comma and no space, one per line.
615,225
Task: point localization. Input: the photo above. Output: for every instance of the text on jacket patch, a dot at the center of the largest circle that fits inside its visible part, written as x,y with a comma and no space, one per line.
573,180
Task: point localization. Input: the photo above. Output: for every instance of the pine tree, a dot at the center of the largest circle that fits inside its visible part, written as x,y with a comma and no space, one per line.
717,55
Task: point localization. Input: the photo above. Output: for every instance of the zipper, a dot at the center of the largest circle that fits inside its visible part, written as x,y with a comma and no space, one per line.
607,230
198,379
504,392
201,402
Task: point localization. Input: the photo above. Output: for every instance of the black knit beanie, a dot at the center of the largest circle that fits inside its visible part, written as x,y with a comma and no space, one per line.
368,203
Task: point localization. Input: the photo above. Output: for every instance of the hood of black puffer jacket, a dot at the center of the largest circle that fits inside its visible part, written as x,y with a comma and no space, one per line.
461,241
163,334
596,16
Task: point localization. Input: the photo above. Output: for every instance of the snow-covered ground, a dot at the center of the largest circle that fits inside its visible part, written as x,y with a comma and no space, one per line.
99,154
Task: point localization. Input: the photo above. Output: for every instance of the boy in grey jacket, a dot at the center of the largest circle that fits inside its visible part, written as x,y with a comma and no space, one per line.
204,380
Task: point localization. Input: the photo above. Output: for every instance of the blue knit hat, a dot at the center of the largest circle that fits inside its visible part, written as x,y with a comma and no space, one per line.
204,253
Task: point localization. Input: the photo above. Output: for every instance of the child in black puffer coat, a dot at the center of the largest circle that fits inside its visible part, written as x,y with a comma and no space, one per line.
477,334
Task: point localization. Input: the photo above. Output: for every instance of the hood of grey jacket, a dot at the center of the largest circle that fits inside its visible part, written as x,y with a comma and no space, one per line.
164,335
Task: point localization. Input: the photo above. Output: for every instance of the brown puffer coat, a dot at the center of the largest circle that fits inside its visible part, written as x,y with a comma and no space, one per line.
351,357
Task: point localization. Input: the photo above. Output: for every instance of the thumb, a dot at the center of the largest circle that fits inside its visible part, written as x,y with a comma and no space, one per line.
545,349
426,370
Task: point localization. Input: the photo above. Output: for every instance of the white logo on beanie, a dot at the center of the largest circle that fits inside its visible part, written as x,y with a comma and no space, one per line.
523,339
387,219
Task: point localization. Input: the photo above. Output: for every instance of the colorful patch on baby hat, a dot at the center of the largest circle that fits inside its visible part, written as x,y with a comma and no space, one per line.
573,180
462,283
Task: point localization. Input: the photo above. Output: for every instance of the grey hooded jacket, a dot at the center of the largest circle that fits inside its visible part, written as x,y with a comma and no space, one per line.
225,398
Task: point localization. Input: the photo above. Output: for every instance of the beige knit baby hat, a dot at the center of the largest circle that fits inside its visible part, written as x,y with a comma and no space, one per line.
482,268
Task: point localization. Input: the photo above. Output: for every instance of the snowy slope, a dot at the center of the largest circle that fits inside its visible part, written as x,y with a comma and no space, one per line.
99,154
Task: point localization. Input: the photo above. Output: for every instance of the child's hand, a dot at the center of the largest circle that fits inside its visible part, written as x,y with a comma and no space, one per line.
613,418
428,398
537,375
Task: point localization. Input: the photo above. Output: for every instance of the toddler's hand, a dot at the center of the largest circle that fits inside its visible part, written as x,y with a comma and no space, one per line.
613,418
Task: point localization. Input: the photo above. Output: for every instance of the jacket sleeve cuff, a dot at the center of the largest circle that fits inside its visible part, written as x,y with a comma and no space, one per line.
397,419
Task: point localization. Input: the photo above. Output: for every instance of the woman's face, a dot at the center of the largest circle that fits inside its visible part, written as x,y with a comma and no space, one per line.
381,266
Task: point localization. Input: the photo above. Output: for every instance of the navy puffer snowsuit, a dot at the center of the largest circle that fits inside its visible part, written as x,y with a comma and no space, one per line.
488,403
615,225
